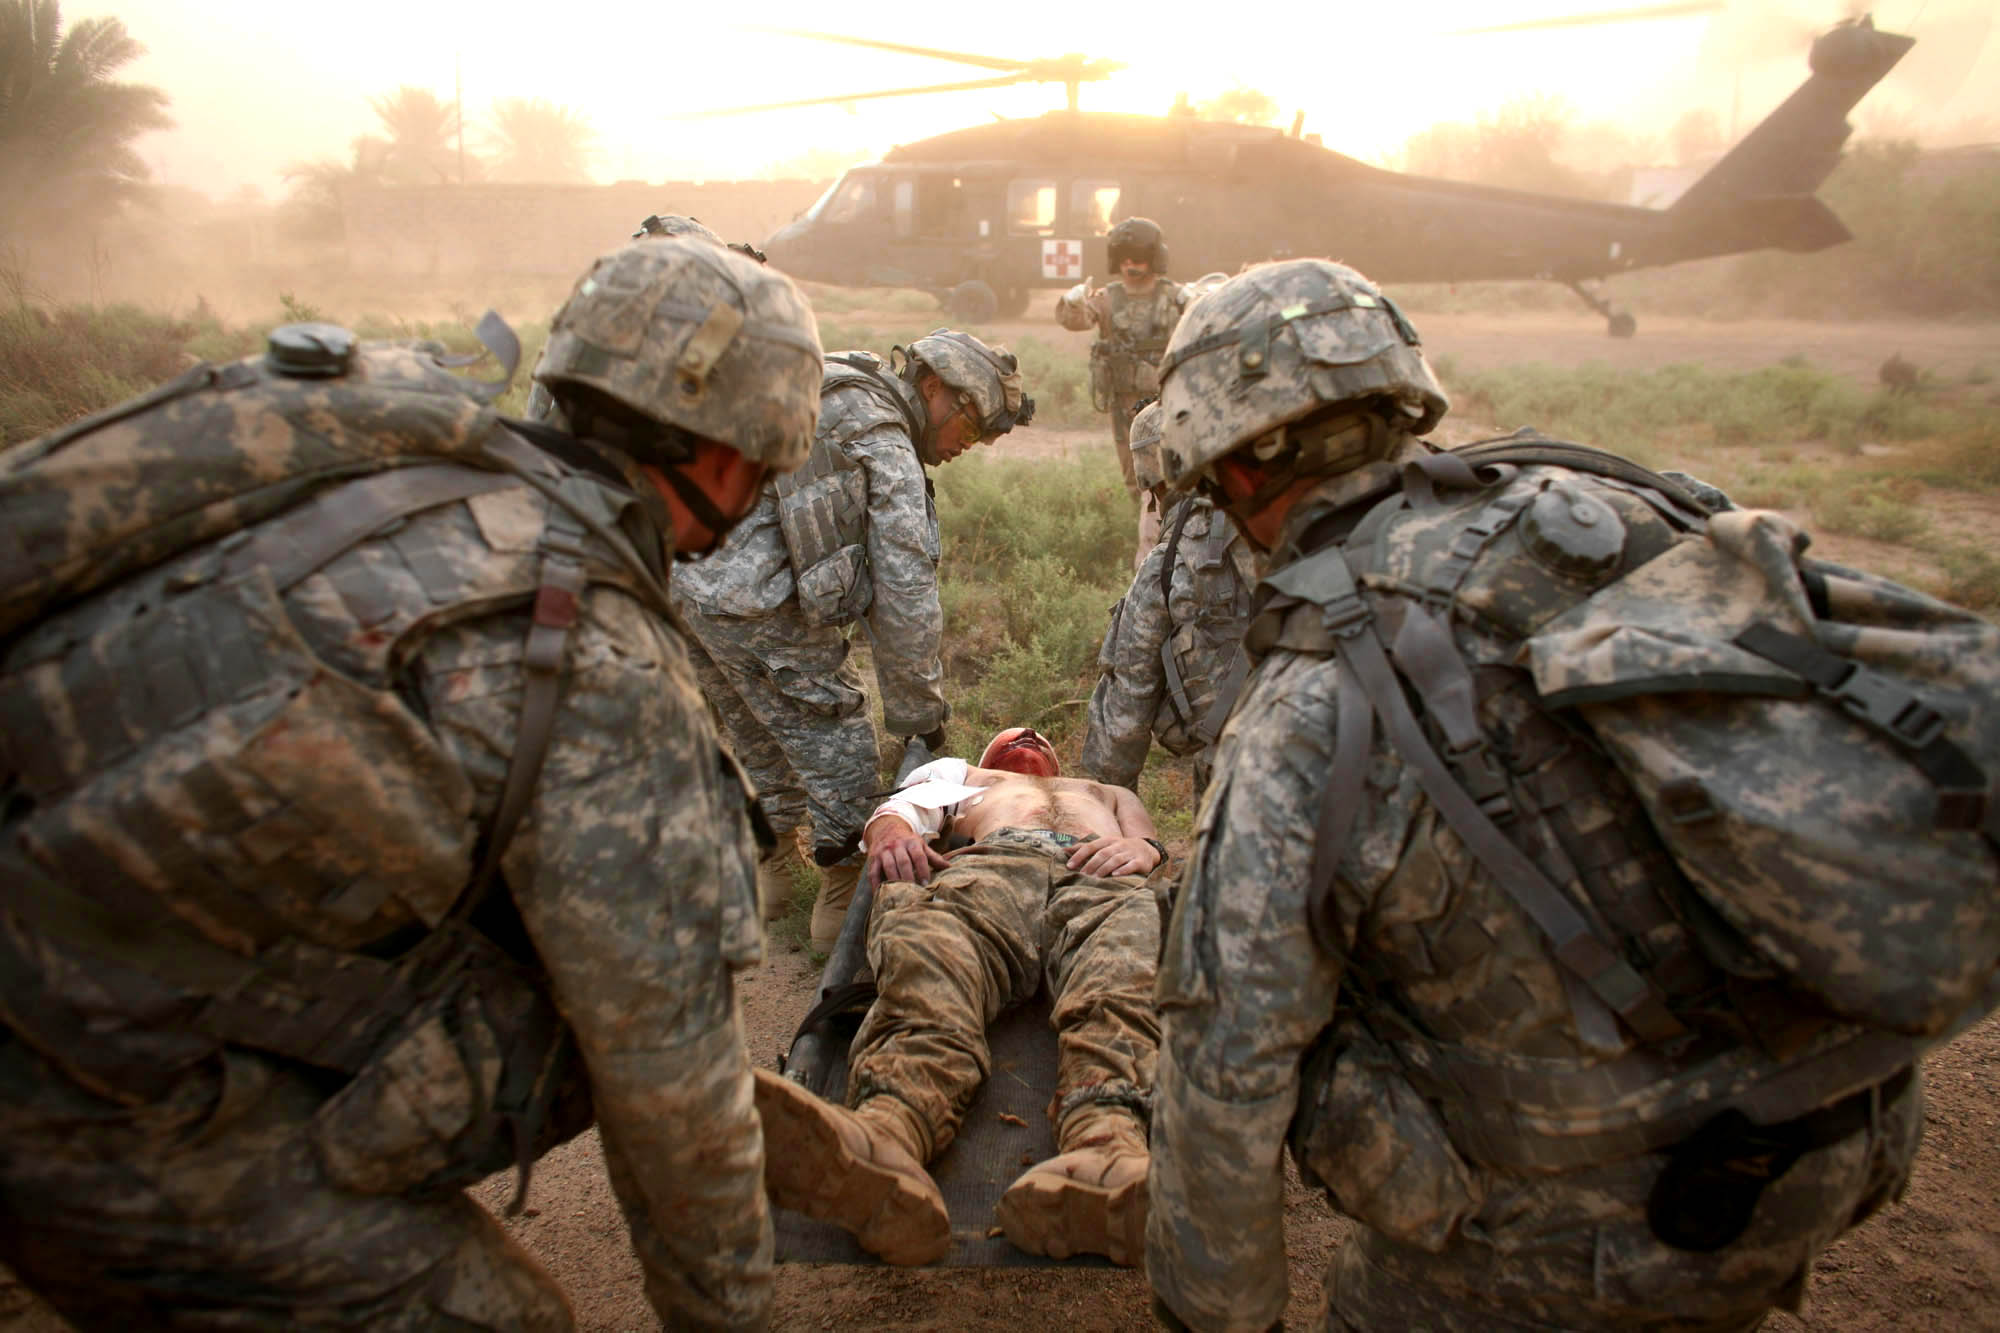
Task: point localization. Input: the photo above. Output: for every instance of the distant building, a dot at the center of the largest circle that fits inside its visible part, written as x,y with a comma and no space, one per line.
438,230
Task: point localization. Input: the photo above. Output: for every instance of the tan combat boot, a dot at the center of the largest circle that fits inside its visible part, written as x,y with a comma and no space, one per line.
836,891
1089,1200
776,874
860,1170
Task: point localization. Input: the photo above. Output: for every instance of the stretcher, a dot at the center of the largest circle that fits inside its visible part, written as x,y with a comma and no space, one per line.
1005,1131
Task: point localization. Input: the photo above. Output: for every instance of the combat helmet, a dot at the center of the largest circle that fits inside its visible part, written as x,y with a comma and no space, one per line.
1278,344
675,224
1137,238
680,224
698,339
990,376
1144,439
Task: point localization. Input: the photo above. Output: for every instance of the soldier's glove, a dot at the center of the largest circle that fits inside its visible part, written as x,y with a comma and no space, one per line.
1080,293
934,740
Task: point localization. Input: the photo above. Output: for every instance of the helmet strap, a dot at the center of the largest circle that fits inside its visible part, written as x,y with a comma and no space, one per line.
1302,449
697,503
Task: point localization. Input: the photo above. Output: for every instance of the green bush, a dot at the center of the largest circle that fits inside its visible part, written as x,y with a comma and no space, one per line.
1871,511
56,366
997,512
1035,553
1633,411
1972,576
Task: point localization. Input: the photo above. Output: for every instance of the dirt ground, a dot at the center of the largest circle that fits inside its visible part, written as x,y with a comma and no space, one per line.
1931,1262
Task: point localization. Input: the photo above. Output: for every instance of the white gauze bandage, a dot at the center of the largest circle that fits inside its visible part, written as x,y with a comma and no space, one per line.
929,796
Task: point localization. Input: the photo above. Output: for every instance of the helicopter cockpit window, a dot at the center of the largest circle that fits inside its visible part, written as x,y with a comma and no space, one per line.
1091,204
853,200
1031,207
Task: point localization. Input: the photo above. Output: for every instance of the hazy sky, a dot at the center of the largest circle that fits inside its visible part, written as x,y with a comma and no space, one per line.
256,85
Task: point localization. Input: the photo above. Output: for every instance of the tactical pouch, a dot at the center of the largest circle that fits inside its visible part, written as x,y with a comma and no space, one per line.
823,515
838,589
1100,377
204,757
480,1077
1378,1149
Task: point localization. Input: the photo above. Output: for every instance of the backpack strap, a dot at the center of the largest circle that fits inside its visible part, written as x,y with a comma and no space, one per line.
1326,580
341,517
866,369
1528,446
1173,549
1177,696
1226,693
1916,728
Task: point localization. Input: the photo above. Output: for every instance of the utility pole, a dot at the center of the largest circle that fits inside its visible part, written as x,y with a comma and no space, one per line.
458,104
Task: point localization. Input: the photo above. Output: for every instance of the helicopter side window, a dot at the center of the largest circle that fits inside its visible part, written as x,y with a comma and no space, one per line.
854,201
1091,205
1031,208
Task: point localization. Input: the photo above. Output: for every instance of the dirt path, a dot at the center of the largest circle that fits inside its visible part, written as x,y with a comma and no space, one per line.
1929,1263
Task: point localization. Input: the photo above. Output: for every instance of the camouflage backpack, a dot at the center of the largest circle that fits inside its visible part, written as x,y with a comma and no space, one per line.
1815,746
192,794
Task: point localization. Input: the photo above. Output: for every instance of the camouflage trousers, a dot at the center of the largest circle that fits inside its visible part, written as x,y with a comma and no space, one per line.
210,1207
796,714
1574,1251
984,934
1121,436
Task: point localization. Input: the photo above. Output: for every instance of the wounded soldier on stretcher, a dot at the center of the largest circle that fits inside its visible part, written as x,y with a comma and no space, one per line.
1052,882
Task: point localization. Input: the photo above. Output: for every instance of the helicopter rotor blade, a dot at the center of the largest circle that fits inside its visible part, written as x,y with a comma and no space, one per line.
1004,81
1639,14
961,57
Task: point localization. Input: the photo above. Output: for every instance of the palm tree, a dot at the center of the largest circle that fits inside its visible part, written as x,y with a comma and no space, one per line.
66,127
423,137
534,140
312,208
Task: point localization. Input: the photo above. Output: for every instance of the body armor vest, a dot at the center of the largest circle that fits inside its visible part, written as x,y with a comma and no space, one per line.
1126,356
823,506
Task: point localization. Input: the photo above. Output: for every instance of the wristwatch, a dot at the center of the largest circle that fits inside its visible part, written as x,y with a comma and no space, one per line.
1159,847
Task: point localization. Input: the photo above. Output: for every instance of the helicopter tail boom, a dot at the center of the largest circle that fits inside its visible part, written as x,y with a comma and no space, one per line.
1760,195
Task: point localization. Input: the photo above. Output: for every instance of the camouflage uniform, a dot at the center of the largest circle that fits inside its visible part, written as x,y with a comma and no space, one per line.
638,838
257,1030
1132,332
1195,623
793,702
1399,1013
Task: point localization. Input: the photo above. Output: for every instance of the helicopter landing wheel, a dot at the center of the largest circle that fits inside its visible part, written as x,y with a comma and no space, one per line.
973,303
1620,324
1014,302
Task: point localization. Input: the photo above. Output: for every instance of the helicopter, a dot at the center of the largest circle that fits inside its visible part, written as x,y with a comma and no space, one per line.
984,217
